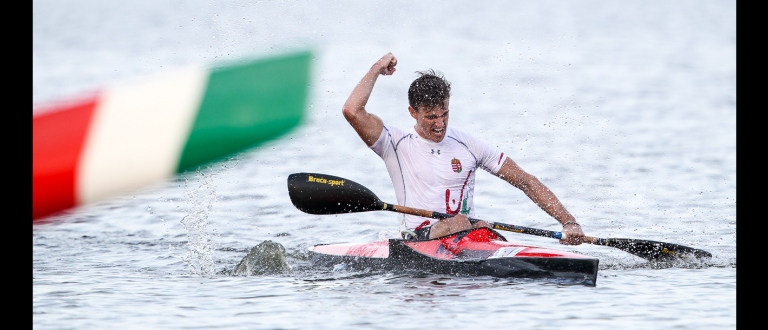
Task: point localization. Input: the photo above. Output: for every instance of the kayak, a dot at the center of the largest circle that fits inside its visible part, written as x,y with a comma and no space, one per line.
478,252
475,252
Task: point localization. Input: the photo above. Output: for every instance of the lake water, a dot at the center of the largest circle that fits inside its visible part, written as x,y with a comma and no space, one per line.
626,110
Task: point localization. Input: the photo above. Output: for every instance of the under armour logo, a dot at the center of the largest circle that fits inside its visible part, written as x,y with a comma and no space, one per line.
433,151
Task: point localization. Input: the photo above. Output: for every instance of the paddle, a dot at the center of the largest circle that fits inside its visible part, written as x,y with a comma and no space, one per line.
316,193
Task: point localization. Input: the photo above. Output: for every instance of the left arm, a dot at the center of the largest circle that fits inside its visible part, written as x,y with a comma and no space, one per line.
543,197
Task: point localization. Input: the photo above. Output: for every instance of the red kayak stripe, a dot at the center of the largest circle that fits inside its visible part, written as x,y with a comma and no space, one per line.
56,150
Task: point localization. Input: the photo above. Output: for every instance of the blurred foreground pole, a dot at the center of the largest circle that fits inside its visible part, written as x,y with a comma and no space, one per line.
134,134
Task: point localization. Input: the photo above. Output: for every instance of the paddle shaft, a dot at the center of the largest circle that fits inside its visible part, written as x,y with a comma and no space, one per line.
650,250
494,225
316,193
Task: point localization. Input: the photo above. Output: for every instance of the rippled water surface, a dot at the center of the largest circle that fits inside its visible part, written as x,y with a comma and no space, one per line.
626,110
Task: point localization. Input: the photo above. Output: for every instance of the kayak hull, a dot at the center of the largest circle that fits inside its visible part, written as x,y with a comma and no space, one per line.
478,252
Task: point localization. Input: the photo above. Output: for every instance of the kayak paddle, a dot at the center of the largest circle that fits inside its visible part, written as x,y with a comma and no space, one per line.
316,193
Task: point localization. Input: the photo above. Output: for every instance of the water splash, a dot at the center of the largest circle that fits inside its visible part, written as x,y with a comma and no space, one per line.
199,258
267,257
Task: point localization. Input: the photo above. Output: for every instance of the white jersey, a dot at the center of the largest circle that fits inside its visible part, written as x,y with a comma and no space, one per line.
435,176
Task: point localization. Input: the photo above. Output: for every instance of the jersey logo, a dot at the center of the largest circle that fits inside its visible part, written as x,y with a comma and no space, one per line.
456,165
462,200
435,151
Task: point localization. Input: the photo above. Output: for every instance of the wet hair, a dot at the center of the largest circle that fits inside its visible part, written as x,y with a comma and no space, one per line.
430,89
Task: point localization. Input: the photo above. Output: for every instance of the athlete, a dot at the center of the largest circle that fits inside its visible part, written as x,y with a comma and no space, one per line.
433,166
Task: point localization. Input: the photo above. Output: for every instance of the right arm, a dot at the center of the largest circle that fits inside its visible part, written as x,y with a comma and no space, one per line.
367,125
544,198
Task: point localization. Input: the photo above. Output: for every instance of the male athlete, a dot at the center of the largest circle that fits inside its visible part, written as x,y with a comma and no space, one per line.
432,166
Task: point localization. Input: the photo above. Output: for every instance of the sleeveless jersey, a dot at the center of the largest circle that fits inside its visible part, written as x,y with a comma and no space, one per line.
435,176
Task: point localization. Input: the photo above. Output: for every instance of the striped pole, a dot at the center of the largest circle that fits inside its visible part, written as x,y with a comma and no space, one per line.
133,134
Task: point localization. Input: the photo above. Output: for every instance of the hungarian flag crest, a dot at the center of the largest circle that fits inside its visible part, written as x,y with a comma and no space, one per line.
129,135
456,165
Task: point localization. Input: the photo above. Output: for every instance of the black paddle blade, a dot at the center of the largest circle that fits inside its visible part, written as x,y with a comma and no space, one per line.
316,193
655,251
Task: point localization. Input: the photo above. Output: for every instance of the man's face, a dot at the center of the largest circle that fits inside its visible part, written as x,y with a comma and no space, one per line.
431,123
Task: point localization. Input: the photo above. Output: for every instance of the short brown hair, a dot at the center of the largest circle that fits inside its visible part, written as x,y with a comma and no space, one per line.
429,90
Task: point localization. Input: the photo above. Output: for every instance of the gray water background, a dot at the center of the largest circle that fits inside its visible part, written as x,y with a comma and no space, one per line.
625,109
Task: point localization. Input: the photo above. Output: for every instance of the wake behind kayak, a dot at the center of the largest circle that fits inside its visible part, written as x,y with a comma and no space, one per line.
266,258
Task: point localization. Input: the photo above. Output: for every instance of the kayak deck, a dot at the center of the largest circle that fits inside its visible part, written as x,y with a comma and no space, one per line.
477,252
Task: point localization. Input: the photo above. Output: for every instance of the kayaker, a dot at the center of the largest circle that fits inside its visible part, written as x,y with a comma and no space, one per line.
433,166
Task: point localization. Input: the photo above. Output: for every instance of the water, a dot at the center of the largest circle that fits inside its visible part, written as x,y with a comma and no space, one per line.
626,110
